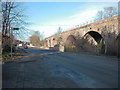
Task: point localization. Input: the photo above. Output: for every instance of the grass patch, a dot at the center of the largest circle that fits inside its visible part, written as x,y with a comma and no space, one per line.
7,56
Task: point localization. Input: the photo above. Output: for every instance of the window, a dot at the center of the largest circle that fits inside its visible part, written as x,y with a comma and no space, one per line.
105,28
98,29
53,38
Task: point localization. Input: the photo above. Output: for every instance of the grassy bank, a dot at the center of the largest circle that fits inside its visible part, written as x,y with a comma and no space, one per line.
7,56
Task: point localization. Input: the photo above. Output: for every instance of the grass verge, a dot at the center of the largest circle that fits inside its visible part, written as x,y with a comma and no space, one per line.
7,56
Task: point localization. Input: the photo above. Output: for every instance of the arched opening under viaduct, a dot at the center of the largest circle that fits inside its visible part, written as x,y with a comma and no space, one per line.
97,37
70,44
96,40
91,42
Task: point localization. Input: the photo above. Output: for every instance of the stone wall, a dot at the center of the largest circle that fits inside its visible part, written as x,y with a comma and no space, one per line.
107,28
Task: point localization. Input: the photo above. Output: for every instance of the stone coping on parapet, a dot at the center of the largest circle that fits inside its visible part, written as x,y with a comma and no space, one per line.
95,23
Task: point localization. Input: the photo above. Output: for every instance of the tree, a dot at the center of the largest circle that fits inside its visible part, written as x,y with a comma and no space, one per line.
100,16
110,12
13,15
41,39
106,13
42,36
59,30
35,39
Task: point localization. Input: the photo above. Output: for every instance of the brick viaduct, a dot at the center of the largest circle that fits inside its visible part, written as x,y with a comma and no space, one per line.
106,29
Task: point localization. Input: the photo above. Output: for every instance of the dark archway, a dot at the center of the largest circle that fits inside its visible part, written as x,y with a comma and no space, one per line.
70,38
70,44
99,39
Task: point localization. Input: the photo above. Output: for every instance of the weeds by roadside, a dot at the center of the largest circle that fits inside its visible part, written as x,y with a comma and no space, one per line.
7,56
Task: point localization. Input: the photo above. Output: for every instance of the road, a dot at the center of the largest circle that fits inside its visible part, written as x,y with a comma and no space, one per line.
52,69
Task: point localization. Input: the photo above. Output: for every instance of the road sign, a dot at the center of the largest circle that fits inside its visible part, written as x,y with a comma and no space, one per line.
11,38
15,28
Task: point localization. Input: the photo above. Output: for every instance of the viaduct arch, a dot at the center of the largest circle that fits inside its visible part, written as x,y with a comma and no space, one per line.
105,29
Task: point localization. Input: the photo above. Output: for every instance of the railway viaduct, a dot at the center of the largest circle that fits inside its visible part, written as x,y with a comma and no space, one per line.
106,30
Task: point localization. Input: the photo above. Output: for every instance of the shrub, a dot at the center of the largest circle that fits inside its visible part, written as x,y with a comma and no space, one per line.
6,44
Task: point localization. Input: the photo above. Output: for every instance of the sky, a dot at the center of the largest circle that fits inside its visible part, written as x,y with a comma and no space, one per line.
47,17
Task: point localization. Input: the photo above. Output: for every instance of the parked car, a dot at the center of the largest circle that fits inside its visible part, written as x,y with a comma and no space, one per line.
20,45
25,46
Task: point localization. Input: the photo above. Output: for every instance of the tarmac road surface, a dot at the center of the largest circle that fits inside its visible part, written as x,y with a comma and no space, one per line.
42,68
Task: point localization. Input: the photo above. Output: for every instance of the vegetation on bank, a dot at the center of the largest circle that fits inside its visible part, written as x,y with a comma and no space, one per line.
6,50
7,56
87,45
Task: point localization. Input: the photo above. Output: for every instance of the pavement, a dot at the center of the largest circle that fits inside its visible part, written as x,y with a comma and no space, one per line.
42,68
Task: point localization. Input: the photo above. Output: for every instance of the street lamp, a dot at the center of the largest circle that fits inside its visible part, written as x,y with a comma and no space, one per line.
12,37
